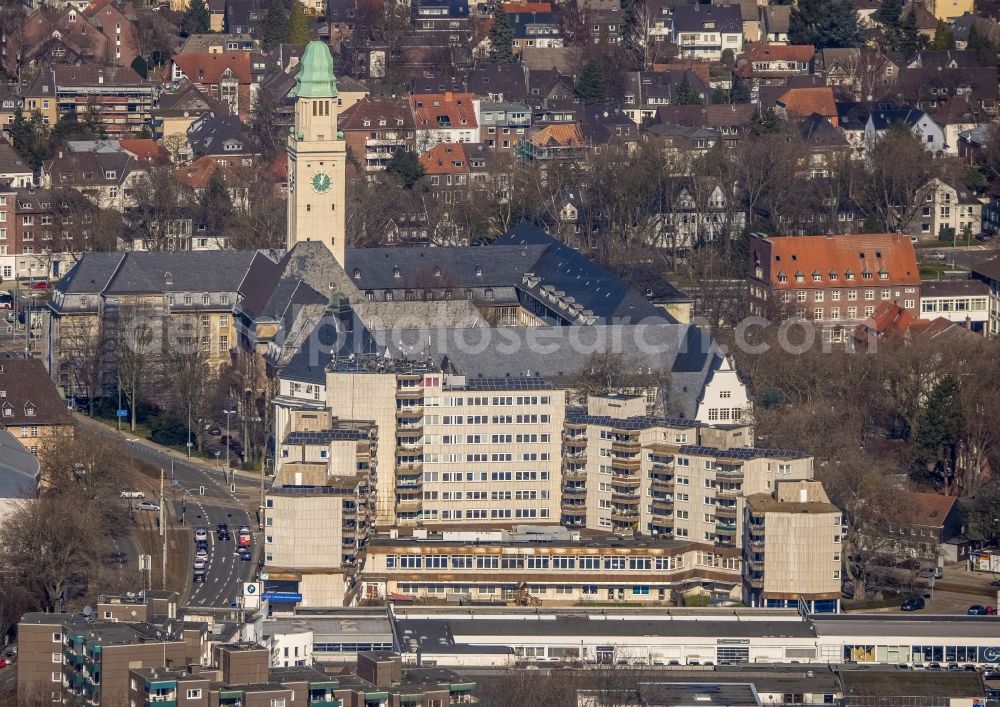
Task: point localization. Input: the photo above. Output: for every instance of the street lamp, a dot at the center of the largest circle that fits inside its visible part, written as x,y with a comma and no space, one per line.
227,413
189,430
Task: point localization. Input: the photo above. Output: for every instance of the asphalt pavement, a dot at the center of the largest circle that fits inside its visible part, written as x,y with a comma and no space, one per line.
204,497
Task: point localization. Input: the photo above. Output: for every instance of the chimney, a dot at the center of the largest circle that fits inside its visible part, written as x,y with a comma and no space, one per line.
449,96
803,495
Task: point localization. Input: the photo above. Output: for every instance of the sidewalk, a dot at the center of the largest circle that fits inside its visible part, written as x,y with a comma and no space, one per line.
125,434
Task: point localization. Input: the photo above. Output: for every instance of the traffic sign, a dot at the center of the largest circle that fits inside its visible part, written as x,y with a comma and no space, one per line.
121,413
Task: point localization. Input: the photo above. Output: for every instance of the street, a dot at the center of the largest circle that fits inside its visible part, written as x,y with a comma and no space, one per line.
199,495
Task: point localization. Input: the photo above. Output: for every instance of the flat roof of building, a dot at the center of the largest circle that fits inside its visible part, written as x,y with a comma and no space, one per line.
707,693
928,625
766,503
334,627
922,683
586,539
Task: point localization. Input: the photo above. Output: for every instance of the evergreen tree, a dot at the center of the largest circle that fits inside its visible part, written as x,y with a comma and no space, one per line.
940,424
501,36
216,204
986,52
908,39
275,30
888,14
944,37
740,91
825,24
591,85
719,97
196,18
686,93
768,122
405,166
298,30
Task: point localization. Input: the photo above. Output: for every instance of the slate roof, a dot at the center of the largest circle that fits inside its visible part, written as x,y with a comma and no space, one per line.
818,131
147,272
884,119
208,68
694,18
209,135
374,109
10,161
27,384
19,469
777,18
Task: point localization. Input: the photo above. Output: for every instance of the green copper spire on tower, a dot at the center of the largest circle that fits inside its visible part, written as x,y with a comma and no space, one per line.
316,79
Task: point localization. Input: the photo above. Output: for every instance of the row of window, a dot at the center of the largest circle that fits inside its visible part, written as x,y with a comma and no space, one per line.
536,562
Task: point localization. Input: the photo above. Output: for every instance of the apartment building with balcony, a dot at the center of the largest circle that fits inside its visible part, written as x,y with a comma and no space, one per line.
503,124
532,565
374,129
627,472
705,31
792,548
122,98
77,658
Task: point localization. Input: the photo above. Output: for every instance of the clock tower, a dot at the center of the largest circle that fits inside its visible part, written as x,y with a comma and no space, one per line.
317,156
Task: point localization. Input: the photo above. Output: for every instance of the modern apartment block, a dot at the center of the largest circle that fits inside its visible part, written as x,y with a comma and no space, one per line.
63,657
626,472
533,565
318,512
243,679
793,544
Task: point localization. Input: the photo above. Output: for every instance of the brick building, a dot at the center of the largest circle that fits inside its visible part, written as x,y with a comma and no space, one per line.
834,280
374,128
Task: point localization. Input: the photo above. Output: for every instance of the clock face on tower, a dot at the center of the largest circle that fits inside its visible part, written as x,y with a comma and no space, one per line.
321,182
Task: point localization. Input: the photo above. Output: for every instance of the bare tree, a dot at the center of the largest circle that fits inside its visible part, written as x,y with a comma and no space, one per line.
896,170
136,335
158,199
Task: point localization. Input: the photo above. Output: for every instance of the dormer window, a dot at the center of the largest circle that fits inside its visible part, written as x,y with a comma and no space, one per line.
833,275
799,277
479,271
29,410
357,274
817,277
8,411
395,272
437,271
883,275
849,275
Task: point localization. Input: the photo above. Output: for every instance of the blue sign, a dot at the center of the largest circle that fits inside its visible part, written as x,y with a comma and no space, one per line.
122,413
283,596
990,654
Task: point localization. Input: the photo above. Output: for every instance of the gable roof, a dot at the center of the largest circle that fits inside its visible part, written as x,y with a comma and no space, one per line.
855,254
445,158
885,119
145,150
558,135
208,67
818,131
26,384
396,113
888,321
698,18
779,52
777,18
931,509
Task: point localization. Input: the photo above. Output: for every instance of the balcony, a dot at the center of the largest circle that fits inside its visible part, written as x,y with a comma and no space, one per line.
726,512
410,445
662,506
722,528
575,474
574,491
625,498
665,485
728,492
410,485
574,455
578,439
410,411
631,464
630,446
731,473
756,581
408,505
621,515
409,393
574,509
629,480
350,512
409,426
409,471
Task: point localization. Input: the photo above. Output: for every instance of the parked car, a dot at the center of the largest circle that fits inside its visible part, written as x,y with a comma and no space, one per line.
41,285
245,538
199,564
935,572
200,534
148,506
979,610
245,554
934,666
198,578
938,256
214,431
132,493
991,675
954,667
201,555
912,604
201,545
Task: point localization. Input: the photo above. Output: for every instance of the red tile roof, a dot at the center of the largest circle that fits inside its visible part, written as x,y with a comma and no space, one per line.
816,258
444,110
931,509
890,321
779,52
518,7
803,102
145,150
445,158
197,174
208,67
558,134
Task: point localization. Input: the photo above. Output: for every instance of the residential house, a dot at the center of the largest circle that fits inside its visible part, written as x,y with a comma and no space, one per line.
948,10
244,16
775,62
604,126
449,18
503,125
498,82
646,91
948,210
930,530
922,125
535,29
988,271
217,43
699,214
11,103
49,229
553,142
858,74
30,406
219,135
681,143
731,121
217,15
606,24
826,146
965,302
985,27
657,19
175,111
925,22
888,323
341,16
775,21
928,87
65,38
14,171
750,15
120,97
116,20
834,280
548,85
8,228
822,210
224,76
444,117
705,31
801,103
374,129
958,117
105,174
971,143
